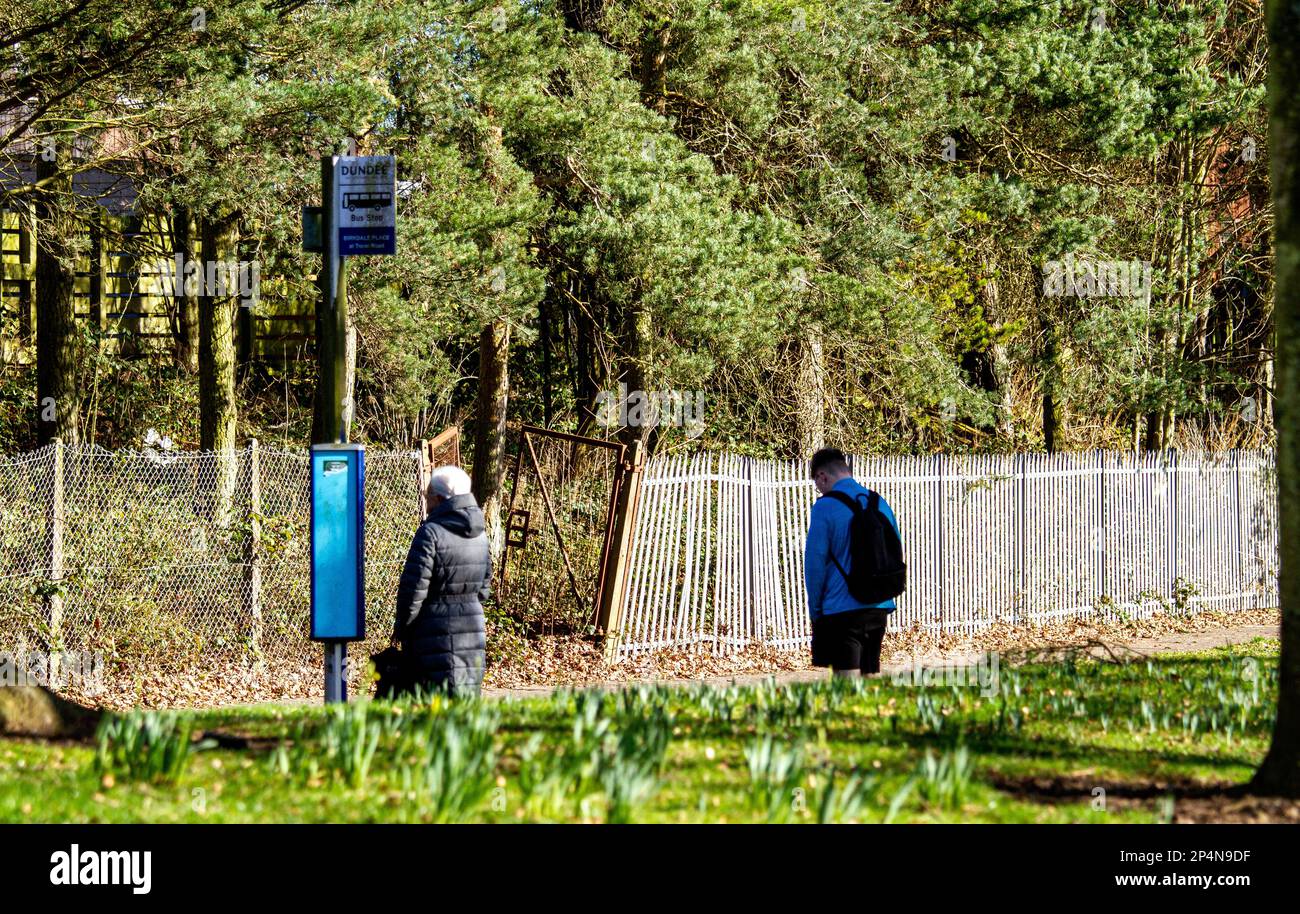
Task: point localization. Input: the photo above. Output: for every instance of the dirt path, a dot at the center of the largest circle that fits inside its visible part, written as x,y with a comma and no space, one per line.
1166,643
550,664
1184,642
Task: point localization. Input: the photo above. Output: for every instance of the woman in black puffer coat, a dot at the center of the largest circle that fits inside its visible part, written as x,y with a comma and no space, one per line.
440,598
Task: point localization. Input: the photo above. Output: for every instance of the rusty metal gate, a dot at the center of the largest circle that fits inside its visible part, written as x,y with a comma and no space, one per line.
441,450
559,521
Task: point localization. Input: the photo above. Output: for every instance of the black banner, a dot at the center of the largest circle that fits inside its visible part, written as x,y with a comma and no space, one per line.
570,864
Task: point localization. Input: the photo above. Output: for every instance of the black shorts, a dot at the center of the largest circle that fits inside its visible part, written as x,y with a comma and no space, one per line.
850,640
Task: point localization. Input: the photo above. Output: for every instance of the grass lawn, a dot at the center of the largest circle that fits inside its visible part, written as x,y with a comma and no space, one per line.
1074,741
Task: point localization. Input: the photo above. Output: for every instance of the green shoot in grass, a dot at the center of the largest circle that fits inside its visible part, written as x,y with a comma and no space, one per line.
144,746
945,780
775,772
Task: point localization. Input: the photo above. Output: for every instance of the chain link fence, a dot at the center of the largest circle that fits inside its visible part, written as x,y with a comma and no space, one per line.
166,555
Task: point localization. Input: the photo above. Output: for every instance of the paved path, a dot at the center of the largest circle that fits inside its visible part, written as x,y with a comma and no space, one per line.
1176,642
1202,640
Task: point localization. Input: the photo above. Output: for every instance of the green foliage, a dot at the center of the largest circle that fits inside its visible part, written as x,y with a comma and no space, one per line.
144,746
841,797
736,197
452,772
775,773
945,780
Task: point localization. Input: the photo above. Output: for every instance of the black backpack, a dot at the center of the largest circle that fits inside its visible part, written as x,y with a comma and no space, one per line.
877,571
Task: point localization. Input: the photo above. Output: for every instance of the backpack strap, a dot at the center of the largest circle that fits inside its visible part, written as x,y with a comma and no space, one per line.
852,504
845,499
873,499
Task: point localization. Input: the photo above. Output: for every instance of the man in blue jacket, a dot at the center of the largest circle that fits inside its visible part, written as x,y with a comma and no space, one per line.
847,634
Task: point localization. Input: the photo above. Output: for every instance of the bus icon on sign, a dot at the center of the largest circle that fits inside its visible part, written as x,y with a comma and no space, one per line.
367,200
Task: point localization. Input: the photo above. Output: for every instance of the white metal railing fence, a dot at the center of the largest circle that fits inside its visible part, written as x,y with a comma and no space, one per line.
718,551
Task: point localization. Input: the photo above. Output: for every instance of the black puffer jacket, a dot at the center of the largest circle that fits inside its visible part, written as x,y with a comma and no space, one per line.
440,597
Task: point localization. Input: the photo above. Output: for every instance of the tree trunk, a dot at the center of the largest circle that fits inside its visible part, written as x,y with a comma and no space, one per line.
349,377
637,329
1157,436
1280,771
810,418
653,76
1050,426
34,710
992,366
490,423
544,337
1000,373
185,244
1051,375
218,411
990,370
56,390
587,368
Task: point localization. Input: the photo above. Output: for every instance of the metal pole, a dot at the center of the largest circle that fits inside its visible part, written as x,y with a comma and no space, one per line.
331,378
1171,473
615,584
1101,522
253,549
941,470
54,553
336,664
751,594
1238,516
1018,606
331,323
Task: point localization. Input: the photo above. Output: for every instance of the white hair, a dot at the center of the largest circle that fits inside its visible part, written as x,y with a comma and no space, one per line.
448,481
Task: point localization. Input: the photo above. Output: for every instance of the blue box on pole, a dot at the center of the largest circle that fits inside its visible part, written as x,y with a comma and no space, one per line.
338,542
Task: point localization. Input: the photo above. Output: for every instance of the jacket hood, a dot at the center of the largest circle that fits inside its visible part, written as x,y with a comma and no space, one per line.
460,514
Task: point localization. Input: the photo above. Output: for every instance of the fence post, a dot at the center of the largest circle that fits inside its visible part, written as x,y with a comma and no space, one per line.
54,553
1238,518
1171,473
423,467
609,620
253,549
1101,525
941,468
754,634
98,273
27,272
1022,502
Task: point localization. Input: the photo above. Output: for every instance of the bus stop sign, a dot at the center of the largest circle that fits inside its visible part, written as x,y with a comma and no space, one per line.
365,205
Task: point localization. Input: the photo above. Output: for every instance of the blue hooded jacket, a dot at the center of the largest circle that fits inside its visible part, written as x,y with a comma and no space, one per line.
828,533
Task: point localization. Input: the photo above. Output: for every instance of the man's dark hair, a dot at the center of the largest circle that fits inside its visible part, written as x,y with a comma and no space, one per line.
828,458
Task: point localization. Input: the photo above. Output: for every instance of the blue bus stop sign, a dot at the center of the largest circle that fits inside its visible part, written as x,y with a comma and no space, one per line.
338,542
365,205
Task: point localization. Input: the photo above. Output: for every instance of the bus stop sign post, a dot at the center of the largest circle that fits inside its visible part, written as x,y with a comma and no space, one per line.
338,561
357,216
